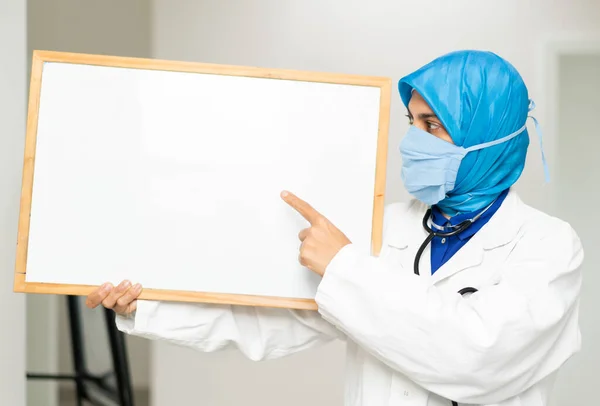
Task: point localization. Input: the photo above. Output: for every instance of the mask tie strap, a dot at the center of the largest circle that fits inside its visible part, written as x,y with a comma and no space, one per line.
538,130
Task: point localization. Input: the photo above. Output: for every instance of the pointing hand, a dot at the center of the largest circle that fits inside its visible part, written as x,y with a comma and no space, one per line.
321,241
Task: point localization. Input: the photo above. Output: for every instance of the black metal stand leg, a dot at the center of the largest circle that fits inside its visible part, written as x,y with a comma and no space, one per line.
87,385
77,348
120,361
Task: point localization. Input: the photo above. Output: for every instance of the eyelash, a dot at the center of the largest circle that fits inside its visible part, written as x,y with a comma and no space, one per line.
432,126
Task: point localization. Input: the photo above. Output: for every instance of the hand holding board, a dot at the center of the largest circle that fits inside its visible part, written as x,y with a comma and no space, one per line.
169,174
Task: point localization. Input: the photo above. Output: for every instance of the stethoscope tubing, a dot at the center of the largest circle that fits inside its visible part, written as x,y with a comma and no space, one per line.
431,234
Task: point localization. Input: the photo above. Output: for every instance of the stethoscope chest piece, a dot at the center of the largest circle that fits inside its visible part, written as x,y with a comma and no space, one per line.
467,291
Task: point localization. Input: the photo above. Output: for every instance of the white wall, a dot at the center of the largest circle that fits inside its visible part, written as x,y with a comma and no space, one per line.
12,139
110,27
378,37
578,197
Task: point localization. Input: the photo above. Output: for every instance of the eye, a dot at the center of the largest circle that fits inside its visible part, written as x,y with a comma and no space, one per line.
433,126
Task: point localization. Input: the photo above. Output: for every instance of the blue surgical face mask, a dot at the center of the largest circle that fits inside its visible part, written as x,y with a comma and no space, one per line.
430,164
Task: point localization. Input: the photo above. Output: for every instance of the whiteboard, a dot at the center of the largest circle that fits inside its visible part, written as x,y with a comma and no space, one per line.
169,174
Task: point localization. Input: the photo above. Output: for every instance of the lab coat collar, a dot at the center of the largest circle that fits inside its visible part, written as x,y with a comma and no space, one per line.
500,230
504,225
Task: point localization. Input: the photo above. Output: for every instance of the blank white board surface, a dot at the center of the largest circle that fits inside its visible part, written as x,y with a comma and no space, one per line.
172,178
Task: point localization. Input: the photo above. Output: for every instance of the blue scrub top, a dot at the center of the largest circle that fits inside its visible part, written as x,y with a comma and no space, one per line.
442,249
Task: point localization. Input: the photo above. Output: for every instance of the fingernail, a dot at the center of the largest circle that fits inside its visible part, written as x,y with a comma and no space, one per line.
106,287
125,284
284,193
137,288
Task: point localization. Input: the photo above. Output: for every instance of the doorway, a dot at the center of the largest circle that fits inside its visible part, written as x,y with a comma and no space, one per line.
578,194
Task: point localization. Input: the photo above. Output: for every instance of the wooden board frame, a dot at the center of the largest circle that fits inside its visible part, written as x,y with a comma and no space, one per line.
38,60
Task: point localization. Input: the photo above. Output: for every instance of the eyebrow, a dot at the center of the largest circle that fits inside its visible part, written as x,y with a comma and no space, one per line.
424,116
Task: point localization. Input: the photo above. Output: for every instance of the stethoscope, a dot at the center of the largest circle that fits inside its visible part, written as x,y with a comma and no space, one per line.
457,229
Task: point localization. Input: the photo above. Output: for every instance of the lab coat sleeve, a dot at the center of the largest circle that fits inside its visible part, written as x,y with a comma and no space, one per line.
259,333
481,350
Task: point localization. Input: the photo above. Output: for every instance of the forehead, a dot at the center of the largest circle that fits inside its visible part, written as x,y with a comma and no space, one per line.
418,105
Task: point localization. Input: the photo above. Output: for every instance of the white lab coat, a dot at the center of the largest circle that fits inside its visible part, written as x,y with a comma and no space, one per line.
413,340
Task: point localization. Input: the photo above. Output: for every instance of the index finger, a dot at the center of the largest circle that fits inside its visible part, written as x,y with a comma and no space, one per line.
97,296
302,207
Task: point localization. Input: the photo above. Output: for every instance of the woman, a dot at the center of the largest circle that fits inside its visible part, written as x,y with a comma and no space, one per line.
484,314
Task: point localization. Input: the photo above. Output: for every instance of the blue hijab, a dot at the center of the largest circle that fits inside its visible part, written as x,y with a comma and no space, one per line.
478,97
